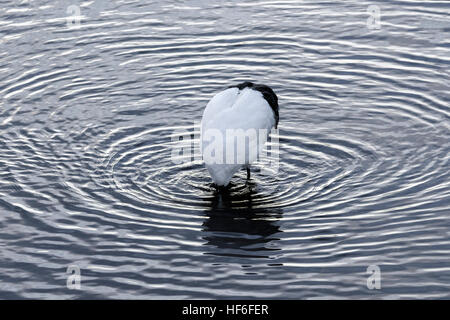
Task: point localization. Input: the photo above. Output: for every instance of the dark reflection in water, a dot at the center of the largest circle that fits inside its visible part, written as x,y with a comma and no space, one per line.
238,227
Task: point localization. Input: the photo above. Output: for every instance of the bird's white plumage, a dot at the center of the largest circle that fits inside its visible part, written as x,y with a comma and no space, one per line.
235,109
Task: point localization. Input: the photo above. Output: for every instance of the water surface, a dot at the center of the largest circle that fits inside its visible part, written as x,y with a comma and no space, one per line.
89,114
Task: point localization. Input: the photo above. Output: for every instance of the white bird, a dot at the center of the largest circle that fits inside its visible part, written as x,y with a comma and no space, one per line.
235,126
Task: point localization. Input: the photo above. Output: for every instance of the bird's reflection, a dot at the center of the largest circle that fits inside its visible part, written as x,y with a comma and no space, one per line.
238,224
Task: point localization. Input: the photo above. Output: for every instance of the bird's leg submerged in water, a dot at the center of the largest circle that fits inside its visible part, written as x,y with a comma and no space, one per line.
248,173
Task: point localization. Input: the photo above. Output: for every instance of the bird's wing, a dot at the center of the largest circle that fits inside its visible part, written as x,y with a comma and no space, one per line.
222,101
251,114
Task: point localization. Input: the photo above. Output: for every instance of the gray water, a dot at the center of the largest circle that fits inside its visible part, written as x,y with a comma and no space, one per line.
90,109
